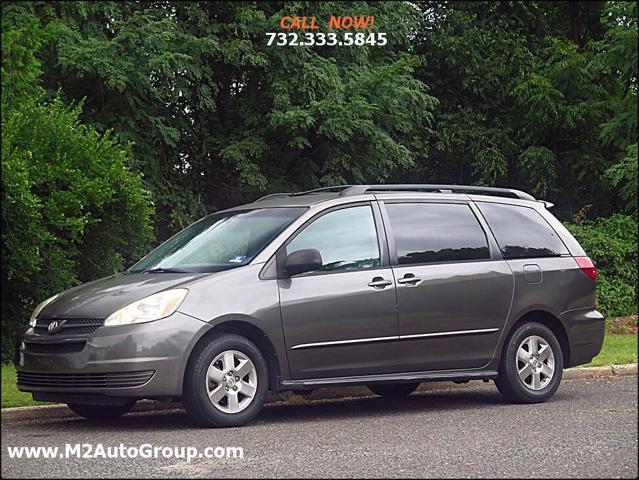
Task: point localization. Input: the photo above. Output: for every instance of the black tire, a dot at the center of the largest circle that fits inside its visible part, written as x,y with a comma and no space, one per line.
508,382
100,412
394,391
195,398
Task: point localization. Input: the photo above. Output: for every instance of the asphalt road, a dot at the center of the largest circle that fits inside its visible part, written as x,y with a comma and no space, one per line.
589,429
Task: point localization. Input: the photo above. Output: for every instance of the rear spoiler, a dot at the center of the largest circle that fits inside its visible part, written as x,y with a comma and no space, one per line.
548,205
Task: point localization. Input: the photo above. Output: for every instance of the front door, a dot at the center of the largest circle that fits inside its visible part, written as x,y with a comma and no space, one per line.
453,289
341,320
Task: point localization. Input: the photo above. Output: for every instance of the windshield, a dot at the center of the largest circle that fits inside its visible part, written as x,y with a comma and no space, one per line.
219,241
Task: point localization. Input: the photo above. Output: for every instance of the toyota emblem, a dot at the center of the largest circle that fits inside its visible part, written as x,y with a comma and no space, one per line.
55,326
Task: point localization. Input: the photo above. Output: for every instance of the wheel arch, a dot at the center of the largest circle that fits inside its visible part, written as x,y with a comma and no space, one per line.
254,334
549,320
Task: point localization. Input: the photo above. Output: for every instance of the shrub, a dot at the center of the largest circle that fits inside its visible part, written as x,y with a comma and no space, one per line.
612,244
71,210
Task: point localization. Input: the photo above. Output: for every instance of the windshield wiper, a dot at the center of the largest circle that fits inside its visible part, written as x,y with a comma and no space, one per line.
164,270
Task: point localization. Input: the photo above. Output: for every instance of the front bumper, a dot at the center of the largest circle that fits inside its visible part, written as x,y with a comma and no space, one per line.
111,364
586,330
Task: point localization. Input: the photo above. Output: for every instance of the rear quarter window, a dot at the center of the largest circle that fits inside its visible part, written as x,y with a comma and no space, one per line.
521,232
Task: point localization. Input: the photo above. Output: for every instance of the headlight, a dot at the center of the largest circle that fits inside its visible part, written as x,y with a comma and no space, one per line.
39,308
153,307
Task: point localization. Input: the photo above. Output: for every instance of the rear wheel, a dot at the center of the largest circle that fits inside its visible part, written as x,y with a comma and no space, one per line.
531,365
100,412
225,383
393,391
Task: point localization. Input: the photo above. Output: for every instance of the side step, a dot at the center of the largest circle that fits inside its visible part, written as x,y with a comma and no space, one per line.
456,375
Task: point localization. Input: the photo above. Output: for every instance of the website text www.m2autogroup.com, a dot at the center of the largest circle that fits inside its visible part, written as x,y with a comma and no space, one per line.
99,450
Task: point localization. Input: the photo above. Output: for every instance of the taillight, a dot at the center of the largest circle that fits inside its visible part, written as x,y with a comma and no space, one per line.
587,267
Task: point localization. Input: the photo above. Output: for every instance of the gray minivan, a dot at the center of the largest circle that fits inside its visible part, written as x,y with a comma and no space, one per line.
378,285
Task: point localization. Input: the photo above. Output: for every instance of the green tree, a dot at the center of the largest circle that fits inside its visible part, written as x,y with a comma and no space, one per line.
71,209
216,116
617,58
538,95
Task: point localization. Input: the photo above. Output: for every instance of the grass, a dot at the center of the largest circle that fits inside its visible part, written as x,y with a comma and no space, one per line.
11,396
617,349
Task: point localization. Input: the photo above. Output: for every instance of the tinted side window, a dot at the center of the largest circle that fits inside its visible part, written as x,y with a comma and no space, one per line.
346,239
522,232
436,232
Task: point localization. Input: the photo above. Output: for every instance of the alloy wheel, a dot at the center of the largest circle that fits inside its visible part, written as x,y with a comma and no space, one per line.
535,362
231,381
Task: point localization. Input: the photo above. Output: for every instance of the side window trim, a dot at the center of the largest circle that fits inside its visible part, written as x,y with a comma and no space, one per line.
495,251
493,248
388,231
280,255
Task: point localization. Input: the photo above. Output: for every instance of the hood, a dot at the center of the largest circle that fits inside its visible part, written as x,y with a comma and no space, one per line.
100,298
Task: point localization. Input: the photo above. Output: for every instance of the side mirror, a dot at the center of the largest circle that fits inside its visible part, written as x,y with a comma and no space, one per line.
302,261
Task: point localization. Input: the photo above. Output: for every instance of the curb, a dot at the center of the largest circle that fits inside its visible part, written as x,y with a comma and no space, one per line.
61,411
596,372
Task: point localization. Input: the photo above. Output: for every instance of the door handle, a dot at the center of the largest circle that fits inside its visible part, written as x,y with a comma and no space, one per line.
409,279
379,282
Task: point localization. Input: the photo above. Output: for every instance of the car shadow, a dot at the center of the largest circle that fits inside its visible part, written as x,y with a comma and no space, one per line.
424,402
312,411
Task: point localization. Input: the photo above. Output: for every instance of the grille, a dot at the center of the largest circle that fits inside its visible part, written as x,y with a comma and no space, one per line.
62,347
72,326
85,380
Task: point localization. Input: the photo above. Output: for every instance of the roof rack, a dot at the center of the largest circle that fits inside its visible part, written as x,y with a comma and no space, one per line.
351,190
504,192
334,189
272,196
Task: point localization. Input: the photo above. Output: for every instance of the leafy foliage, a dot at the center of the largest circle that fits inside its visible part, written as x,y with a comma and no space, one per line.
612,245
216,116
541,95
623,175
71,209
21,69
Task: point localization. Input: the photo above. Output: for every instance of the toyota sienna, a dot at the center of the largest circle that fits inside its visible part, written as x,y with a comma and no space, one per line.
379,285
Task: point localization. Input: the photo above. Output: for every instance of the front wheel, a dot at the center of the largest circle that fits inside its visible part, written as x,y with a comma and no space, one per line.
531,365
100,412
394,391
225,383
